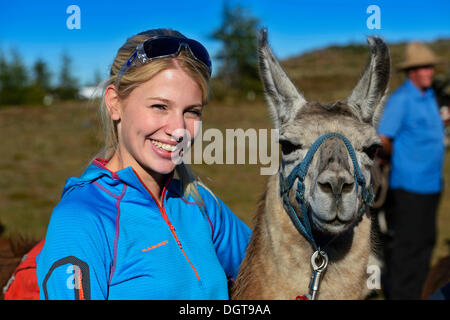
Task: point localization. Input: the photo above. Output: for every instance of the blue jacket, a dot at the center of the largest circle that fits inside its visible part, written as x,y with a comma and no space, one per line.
109,239
411,118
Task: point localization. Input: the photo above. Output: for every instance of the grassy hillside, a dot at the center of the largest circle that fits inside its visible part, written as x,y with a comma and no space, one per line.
329,74
43,146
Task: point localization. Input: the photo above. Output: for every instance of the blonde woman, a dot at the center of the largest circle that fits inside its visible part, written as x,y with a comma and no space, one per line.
127,228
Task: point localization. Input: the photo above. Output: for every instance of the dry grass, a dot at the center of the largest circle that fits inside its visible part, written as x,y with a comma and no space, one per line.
43,146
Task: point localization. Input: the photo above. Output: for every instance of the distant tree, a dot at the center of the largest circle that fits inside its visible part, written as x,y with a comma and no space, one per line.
18,71
40,85
41,75
4,75
13,79
238,58
4,71
68,85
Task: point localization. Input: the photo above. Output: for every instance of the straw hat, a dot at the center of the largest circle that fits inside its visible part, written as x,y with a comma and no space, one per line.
417,54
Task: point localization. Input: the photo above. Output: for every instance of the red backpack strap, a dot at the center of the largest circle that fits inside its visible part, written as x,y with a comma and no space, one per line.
23,283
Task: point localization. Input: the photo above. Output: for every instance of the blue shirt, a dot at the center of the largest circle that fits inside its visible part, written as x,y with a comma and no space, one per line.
411,118
109,239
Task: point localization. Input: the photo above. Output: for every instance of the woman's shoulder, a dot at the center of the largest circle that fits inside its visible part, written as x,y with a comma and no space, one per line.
176,186
209,197
82,207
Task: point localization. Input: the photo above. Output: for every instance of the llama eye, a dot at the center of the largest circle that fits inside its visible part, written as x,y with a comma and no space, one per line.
372,150
288,147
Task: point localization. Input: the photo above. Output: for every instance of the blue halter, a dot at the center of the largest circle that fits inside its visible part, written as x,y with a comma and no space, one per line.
299,172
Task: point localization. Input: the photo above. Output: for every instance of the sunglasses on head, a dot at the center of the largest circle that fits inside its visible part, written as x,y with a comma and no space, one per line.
163,47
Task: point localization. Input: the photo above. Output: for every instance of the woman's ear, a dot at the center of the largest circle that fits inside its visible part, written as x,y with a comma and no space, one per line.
112,102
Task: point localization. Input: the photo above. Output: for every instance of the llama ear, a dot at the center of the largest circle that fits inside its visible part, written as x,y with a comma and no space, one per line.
368,97
283,98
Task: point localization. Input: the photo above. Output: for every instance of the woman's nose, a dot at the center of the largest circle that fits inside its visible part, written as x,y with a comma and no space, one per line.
176,128
178,139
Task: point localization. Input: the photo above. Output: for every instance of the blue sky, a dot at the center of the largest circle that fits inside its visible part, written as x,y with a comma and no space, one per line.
37,29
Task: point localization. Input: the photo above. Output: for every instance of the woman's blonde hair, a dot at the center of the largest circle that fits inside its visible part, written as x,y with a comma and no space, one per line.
134,77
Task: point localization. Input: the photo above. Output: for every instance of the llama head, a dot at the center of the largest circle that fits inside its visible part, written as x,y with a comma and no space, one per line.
331,191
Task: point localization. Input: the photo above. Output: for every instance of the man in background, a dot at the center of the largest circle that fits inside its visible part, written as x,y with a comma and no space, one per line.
412,135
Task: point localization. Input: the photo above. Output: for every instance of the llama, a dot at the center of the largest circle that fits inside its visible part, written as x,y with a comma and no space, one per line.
312,228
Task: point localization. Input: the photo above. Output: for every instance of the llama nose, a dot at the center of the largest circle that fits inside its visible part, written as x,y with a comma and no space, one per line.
335,184
334,168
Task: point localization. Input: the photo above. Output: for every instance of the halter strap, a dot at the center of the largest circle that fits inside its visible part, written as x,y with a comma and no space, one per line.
299,172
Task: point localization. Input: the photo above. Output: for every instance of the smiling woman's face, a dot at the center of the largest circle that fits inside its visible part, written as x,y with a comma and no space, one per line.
150,119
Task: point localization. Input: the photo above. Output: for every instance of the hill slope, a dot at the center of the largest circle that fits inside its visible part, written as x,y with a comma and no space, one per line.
330,73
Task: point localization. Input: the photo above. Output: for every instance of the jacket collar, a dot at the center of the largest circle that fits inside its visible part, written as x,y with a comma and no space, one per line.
129,176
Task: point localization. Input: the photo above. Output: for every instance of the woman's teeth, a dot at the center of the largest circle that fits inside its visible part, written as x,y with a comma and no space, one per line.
166,147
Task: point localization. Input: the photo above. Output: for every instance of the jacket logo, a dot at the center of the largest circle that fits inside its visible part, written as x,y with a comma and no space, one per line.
155,246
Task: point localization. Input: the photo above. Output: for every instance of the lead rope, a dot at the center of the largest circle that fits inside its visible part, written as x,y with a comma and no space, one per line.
319,258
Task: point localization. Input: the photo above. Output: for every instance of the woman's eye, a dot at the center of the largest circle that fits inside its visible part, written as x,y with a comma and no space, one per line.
195,112
287,147
159,106
372,150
